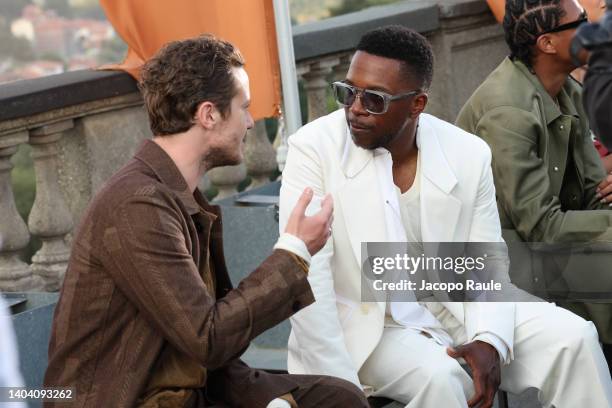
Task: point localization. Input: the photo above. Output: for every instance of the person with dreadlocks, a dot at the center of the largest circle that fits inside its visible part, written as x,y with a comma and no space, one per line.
550,184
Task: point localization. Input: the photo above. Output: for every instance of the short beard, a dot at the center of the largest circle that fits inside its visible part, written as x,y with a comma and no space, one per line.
386,140
217,157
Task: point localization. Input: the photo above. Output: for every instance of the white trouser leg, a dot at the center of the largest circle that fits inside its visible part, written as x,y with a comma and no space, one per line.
558,353
413,369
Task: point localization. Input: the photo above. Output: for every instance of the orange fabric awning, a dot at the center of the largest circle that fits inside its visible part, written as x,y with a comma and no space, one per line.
498,7
146,25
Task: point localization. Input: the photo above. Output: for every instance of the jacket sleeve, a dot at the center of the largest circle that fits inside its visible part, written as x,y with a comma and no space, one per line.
148,258
594,173
483,319
523,184
317,328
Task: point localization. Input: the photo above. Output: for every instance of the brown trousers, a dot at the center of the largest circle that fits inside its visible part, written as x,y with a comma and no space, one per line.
308,391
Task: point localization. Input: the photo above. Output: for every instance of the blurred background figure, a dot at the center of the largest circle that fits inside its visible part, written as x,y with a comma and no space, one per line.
9,357
595,9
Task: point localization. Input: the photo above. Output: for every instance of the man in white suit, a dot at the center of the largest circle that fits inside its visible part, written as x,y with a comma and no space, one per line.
397,174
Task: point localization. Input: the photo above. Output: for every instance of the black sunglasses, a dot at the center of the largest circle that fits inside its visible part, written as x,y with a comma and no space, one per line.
582,18
374,102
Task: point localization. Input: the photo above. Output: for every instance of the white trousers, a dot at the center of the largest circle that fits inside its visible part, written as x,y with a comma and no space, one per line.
555,351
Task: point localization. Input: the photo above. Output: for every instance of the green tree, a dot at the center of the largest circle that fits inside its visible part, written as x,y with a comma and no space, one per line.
61,7
51,56
89,11
18,49
24,190
112,51
11,9
349,6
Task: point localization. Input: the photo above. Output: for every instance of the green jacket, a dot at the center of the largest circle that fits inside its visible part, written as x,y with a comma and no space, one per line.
545,166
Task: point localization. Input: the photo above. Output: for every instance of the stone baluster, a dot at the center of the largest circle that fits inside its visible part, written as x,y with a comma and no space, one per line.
341,69
281,143
226,179
50,219
316,86
259,155
15,275
204,183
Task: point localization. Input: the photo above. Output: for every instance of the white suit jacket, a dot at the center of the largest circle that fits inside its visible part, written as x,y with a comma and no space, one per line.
337,333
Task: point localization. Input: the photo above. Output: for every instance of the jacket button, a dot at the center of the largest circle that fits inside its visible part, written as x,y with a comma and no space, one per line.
561,127
556,168
365,309
296,306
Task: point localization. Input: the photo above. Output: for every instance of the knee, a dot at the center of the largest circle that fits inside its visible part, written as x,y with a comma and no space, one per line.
443,374
579,330
345,393
574,333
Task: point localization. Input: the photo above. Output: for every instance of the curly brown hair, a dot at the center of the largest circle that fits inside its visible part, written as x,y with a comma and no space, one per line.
184,74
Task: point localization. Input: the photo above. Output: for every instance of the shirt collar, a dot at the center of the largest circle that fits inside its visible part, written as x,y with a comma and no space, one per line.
151,154
551,110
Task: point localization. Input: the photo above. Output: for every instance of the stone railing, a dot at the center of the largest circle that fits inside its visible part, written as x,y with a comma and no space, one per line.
82,126
466,40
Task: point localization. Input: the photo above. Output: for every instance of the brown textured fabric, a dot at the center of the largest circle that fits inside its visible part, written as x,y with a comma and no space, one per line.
309,391
138,288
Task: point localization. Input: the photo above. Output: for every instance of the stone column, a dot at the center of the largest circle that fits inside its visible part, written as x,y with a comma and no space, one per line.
50,218
15,275
281,143
259,155
341,69
316,85
204,183
226,179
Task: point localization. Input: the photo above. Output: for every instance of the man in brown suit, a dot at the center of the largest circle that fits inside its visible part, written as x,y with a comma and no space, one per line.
147,315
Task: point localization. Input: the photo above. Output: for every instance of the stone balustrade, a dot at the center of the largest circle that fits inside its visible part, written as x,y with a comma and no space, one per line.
82,126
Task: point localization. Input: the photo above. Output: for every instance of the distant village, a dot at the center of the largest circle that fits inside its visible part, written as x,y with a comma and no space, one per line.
58,44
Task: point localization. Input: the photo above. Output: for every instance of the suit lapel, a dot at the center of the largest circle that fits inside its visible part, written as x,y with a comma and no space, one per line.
362,203
440,210
360,200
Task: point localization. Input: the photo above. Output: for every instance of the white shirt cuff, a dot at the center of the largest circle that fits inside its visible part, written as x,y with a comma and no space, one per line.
496,342
293,244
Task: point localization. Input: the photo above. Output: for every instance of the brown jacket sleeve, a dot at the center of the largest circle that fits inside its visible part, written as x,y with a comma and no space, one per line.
148,250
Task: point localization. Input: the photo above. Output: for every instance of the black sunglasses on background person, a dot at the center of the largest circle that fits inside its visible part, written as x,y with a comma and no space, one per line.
582,18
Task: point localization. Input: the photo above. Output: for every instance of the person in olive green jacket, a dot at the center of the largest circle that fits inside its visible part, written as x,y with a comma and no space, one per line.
550,184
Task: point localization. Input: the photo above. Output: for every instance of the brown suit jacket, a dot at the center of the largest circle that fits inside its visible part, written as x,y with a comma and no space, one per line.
147,274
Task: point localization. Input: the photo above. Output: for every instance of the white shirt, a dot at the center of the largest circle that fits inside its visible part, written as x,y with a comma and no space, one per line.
414,315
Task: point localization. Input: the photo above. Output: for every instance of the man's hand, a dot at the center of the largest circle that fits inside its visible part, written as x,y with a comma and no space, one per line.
314,230
604,190
483,359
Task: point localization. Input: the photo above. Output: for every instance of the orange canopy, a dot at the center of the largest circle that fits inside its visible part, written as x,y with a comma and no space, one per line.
498,7
146,25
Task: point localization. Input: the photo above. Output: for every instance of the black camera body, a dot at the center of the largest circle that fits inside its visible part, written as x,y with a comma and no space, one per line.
592,36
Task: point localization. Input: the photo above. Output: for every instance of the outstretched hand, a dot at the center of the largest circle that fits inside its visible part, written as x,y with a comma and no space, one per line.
483,359
313,230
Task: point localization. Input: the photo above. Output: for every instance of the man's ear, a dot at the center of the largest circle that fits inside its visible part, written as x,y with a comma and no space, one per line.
546,44
207,115
419,104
